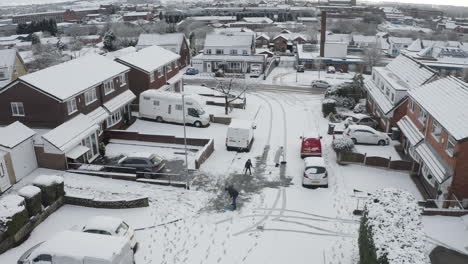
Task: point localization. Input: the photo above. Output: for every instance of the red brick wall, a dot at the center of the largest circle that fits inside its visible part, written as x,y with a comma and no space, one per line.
398,114
184,55
460,179
280,44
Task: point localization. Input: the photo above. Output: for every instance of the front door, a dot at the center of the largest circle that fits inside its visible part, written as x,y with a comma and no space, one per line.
4,178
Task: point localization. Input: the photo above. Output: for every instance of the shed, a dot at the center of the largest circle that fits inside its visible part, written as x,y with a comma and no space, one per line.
17,140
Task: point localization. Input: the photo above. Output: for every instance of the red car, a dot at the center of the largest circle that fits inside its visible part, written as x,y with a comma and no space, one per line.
311,146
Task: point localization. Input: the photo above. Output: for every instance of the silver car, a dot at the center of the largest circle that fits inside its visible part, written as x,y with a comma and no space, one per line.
147,163
320,84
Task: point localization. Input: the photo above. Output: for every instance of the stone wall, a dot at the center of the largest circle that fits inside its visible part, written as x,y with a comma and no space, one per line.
112,204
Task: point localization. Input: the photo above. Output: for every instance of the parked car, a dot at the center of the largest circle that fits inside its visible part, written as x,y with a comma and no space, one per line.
111,226
361,119
240,135
311,146
192,71
315,173
320,84
300,68
331,69
366,134
143,162
69,247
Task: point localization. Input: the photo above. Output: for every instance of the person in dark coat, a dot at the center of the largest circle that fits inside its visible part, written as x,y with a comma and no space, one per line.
233,193
248,166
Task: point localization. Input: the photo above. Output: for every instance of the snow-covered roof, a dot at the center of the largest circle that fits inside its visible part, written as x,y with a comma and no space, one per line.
7,65
14,134
80,245
241,123
364,39
431,159
214,18
254,58
73,77
291,36
121,52
410,130
257,20
130,14
409,71
163,40
149,59
228,40
69,134
119,101
10,205
106,223
445,100
263,35
98,115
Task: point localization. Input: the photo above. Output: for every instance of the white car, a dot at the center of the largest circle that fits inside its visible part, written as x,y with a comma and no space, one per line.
315,173
111,226
366,135
320,84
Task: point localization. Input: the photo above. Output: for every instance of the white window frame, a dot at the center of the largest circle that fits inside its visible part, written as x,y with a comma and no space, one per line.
233,52
245,52
208,51
411,106
450,142
422,116
114,118
122,79
72,106
160,72
151,76
15,109
436,127
168,67
108,86
90,96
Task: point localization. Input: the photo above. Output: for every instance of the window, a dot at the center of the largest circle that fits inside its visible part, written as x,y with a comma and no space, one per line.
233,52
151,75
43,259
17,109
3,74
122,229
108,87
244,52
192,112
392,96
234,65
208,51
436,129
156,103
422,116
411,106
178,107
90,96
219,52
122,79
387,92
71,106
114,118
168,68
174,65
450,145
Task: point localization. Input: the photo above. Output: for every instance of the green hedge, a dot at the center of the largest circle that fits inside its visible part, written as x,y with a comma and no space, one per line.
328,108
49,194
367,250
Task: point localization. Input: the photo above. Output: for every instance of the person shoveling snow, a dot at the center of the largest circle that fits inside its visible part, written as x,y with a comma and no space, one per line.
278,155
248,166
233,193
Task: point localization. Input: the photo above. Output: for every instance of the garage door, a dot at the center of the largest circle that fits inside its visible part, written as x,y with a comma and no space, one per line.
24,159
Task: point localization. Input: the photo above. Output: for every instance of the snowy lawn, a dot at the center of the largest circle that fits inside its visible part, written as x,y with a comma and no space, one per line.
448,231
287,76
379,151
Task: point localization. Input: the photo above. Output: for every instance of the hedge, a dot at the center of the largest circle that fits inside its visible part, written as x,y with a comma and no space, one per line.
367,250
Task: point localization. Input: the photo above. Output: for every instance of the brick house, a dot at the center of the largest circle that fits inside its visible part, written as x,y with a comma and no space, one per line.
387,90
175,42
152,68
262,41
134,16
12,66
71,97
435,134
286,41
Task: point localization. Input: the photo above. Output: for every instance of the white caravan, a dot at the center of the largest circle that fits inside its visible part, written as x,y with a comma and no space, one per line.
69,247
167,106
240,135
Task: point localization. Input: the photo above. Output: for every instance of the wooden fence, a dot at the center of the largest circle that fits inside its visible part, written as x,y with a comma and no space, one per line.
349,157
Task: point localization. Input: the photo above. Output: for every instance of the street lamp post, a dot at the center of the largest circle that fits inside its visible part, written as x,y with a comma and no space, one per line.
185,144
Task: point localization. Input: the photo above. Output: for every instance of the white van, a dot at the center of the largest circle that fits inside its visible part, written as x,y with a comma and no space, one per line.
255,70
69,247
240,135
167,106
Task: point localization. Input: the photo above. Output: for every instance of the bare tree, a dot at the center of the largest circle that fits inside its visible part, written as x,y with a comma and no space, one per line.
228,89
372,56
45,56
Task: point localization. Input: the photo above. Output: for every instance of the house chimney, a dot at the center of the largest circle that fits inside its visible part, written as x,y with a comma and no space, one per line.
323,29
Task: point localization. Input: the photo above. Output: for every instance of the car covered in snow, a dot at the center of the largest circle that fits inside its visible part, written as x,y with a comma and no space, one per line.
69,247
331,69
146,163
360,119
367,135
191,71
311,145
319,84
111,226
315,172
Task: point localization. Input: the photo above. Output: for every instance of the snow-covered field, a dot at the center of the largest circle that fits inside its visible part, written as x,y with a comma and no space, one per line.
278,220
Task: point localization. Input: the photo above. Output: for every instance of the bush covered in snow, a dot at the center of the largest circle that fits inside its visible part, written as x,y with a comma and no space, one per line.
328,107
33,198
342,144
13,214
51,188
391,230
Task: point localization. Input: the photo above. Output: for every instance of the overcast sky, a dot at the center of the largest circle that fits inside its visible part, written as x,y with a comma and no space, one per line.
430,2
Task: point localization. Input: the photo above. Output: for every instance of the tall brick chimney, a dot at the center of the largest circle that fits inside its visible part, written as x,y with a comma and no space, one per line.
323,29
